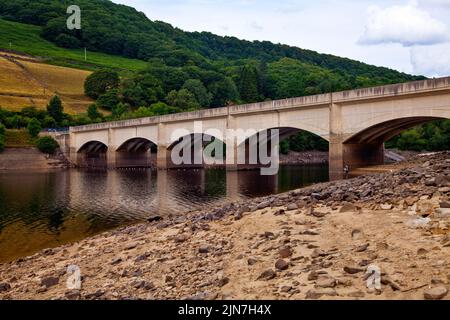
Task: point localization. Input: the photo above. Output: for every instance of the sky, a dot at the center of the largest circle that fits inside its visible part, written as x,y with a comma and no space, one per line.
411,36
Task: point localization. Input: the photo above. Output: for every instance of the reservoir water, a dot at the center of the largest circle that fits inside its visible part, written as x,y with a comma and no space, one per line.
40,210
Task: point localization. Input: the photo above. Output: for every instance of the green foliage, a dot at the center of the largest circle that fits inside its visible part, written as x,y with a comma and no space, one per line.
284,147
93,113
304,141
100,82
143,89
119,109
224,92
432,136
160,108
249,84
108,100
34,127
200,92
47,145
55,109
27,38
49,122
184,100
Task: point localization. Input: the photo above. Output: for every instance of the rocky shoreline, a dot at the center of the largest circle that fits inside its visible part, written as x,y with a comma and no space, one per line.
312,243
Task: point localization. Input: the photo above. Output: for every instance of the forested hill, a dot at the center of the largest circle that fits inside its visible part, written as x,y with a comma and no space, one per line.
121,30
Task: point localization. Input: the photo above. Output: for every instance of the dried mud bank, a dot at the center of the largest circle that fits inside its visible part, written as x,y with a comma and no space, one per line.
312,243
25,159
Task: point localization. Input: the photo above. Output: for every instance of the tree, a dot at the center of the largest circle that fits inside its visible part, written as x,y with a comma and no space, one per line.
109,99
224,91
47,145
200,92
67,41
119,109
14,122
101,81
34,127
160,108
183,100
93,113
49,122
55,109
412,140
142,90
249,84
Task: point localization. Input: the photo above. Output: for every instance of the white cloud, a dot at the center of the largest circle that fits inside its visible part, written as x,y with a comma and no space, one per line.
407,25
443,3
433,61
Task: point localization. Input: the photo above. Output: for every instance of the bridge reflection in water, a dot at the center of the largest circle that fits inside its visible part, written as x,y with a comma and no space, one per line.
50,209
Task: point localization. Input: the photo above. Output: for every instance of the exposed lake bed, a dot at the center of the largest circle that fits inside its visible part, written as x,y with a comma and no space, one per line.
311,243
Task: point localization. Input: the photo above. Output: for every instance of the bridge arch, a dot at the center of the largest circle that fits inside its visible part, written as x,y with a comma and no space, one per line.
93,147
198,158
136,153
366,148
384,131
252,143
92,154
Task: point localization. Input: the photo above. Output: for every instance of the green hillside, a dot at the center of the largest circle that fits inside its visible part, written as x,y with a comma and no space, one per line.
26,38
123,31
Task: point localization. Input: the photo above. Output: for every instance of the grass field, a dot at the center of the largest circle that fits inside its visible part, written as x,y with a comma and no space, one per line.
65,81
41,70
26,83
14,81
26,38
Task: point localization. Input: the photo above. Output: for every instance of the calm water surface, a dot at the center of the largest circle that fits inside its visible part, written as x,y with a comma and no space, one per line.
42,210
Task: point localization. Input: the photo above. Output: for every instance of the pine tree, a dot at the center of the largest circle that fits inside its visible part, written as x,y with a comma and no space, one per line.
55,109
249,84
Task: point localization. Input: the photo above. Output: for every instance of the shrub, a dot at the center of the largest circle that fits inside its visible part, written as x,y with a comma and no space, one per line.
34,127
47,145
93,113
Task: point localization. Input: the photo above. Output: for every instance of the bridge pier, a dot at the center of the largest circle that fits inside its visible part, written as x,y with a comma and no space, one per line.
336,159
111,157
336,153
162,157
